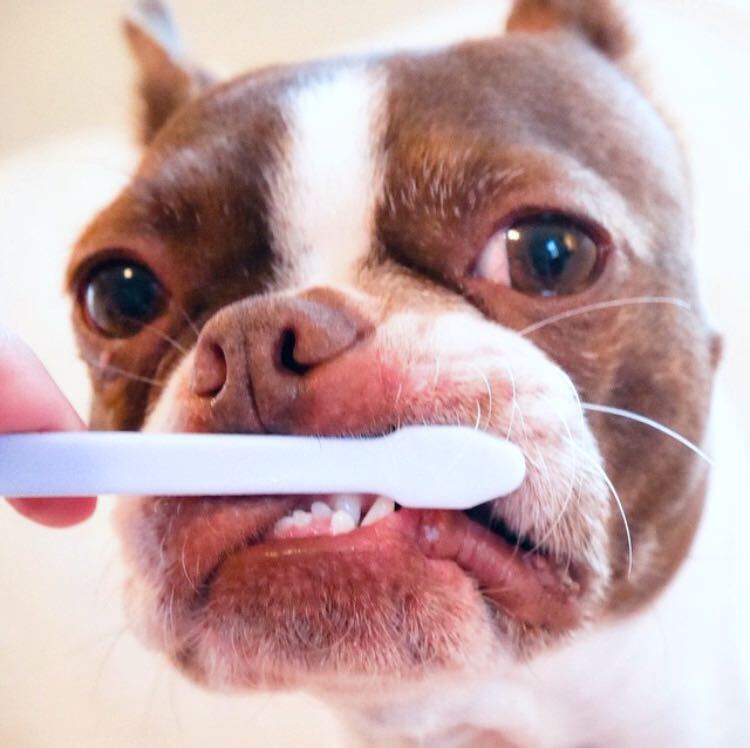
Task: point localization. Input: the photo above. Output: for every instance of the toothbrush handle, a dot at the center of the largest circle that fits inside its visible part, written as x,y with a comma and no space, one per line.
80,463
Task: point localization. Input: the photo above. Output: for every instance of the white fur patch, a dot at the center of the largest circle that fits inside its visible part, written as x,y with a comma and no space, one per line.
324,196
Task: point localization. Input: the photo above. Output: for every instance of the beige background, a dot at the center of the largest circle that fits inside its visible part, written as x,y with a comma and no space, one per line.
70,675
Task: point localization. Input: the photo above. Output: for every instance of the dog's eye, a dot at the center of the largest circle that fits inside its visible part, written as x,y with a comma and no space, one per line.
548,254
120,297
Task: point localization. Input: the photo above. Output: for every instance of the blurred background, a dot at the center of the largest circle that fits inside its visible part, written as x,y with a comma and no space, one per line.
70,674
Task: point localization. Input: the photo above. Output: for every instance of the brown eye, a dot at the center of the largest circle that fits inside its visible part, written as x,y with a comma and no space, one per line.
548,254
120,297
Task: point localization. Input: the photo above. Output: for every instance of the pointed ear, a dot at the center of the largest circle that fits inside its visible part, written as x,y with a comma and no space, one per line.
166,79
600,22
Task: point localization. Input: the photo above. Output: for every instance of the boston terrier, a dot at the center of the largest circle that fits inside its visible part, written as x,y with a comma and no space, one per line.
494,234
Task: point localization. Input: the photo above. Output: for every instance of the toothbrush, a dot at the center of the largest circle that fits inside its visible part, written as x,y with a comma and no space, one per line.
436,467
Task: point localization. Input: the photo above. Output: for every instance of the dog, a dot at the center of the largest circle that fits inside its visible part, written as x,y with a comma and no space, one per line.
494,234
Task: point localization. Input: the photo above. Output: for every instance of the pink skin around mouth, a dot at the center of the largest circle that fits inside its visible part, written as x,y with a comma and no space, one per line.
526,586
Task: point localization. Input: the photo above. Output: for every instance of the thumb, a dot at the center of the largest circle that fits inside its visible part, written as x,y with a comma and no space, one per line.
31,401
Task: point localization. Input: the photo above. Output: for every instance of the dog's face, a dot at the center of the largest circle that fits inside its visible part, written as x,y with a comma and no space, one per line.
350,246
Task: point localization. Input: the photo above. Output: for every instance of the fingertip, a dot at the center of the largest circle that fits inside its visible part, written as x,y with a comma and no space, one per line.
33,402
56,512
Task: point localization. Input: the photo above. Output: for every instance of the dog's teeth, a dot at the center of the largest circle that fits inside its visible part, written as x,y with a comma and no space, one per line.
380,509
350,503
300,518
283,524
320,509
341,522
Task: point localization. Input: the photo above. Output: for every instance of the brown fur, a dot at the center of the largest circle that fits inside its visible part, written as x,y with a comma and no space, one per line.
599,22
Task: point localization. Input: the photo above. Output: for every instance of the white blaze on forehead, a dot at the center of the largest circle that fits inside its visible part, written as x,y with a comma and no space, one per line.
324,196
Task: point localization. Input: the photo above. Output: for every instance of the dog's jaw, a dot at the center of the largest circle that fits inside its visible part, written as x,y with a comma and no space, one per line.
444,623
365,189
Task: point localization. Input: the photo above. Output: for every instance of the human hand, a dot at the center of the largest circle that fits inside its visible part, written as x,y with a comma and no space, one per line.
31,401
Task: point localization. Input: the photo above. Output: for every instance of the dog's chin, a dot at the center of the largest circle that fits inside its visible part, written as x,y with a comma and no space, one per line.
333,619
408,597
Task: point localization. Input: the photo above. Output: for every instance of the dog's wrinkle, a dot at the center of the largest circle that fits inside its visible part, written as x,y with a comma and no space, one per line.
183,563
203,586
251,389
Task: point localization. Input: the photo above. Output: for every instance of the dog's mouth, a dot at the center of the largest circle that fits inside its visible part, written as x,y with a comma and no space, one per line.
519,577
340,514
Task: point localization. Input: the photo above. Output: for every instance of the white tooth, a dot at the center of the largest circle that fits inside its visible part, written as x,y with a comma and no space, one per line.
320,509
350,503
301,518
341,522
283,524
381,508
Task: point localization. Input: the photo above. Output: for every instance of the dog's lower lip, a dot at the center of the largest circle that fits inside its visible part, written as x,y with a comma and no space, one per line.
526,586
485,516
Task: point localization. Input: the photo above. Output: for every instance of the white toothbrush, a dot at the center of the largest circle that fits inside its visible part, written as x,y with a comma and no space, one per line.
437,467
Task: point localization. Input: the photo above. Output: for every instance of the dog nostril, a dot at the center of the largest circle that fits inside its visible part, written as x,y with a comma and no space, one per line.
209,371
286,355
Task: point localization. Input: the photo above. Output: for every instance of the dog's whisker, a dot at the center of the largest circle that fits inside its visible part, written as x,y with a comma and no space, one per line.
488,387
170,340
172,696
99,639
478,420
602,306
538,468
114,640
515,407
569,494
151,694
571,488
151,328
514,403
396,403
626,524
543,467
122,372
171,624
620,506
638,418
181,309
88,162
183,563
398,393
576,396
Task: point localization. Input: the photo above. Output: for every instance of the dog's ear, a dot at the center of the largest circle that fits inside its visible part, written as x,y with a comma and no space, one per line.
166,79
600,22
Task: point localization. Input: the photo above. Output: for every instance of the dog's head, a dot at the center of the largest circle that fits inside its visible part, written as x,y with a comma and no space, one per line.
493,234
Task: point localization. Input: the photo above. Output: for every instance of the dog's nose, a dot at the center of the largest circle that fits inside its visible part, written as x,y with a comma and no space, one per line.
254,360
